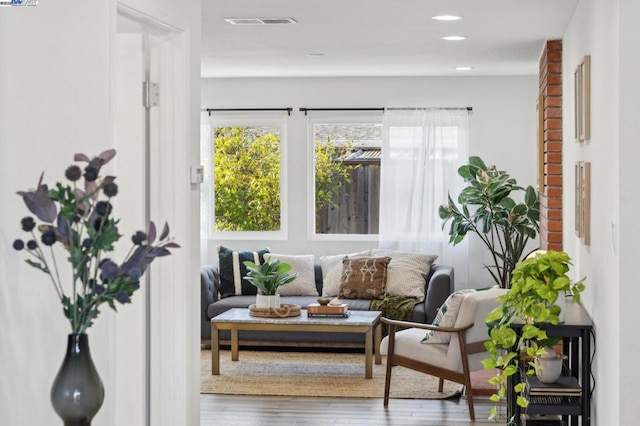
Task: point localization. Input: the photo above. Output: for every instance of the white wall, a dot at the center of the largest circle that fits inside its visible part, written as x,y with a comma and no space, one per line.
607,30
503,132
56,99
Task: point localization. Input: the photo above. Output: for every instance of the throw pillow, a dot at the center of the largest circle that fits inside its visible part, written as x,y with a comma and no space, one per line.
332,271
233,271
305,284
408,272
447,315
364,278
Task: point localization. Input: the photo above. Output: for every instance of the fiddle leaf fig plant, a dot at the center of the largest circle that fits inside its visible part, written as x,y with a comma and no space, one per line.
536,284
487,208
270,275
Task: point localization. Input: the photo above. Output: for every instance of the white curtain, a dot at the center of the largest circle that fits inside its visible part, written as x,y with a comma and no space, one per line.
421,152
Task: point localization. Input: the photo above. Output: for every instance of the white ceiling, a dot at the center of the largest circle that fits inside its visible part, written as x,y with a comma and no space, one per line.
379,37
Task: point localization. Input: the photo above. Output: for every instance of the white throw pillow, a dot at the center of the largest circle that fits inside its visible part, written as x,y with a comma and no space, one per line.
305,283
407,272
446,316
332,271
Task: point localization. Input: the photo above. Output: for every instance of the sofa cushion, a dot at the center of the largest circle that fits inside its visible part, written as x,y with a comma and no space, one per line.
305,283
332,271
407,272
446,317
233,271
448,314
364,277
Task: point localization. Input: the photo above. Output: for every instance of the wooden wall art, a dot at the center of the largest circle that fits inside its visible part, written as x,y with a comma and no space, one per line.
583,201
582,100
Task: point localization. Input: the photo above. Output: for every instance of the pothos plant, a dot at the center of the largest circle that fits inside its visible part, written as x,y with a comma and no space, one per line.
536,284
269,276
78,217
488,209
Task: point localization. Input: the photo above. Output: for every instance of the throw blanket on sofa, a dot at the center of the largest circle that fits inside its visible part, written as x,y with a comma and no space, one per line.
395,308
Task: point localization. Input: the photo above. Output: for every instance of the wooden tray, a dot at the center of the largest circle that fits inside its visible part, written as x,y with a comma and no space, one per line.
285,310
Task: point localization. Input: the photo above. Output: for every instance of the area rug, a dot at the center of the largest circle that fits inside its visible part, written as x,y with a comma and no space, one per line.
314,374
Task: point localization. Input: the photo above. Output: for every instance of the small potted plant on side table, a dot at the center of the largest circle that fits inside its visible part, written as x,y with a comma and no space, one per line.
535,286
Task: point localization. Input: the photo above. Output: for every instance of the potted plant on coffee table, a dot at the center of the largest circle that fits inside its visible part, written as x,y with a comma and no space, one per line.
535,287
268,277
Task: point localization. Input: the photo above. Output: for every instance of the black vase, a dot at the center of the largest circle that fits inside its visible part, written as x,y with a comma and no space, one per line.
77,392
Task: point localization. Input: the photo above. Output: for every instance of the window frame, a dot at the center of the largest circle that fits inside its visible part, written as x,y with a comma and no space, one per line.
337,117
244,119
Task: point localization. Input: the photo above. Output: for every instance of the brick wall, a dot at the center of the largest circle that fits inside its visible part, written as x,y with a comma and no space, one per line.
551,191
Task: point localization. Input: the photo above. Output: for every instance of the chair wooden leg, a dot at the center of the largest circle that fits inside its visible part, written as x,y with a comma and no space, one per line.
440,384
472,413
387,381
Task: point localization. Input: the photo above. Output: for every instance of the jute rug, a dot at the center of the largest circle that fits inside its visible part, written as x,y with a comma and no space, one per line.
314,374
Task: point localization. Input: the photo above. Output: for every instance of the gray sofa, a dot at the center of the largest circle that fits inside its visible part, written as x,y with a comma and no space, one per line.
439,285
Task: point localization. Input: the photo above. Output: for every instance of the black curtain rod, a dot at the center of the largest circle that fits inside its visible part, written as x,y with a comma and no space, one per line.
470,109
210,110
339,109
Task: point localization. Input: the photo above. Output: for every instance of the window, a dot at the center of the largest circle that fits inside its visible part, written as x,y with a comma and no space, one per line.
244,176
346,183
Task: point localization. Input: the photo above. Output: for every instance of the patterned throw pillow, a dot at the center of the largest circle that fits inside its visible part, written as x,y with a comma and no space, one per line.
233,271
408,272
447,315
364,278
305,284
332,271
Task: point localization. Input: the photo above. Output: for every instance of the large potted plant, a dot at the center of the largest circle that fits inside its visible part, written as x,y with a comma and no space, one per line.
268,277
537,282
487,208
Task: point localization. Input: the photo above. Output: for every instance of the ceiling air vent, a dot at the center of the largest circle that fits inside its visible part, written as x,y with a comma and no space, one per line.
260,21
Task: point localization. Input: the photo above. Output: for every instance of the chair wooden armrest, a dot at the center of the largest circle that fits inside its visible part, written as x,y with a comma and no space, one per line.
408,324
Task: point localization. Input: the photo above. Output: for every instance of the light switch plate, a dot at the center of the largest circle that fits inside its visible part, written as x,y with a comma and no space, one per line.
197,174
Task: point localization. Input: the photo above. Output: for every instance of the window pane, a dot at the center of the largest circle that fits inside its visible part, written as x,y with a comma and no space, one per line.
246,176
347,177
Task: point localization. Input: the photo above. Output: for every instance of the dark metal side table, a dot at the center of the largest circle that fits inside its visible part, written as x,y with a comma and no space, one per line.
576,332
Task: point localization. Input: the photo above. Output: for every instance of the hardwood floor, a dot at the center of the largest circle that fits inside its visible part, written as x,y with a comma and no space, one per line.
238,410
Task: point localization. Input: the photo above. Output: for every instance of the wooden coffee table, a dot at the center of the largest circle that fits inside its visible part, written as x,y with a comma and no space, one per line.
236,319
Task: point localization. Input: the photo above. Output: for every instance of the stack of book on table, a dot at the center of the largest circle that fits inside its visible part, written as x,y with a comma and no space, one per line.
564,386
330,311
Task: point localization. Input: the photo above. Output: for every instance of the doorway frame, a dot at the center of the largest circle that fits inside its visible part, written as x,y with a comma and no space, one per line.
172,358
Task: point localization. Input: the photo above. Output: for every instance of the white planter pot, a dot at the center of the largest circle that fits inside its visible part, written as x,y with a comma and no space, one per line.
561,301
263,301
548,367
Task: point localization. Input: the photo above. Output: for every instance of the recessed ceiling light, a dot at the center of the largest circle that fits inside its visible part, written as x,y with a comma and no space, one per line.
453,38
260,21
464,68
447,17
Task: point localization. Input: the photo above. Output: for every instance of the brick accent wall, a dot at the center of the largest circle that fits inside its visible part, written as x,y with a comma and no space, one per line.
551,194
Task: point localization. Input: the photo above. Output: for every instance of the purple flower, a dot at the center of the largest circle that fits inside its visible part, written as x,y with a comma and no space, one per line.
73,173
32,245
122,297
138,238
109,270
86,243
103,208
39,203
110,189
91,173
135,274
48,237
28,224
18,244
98,289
